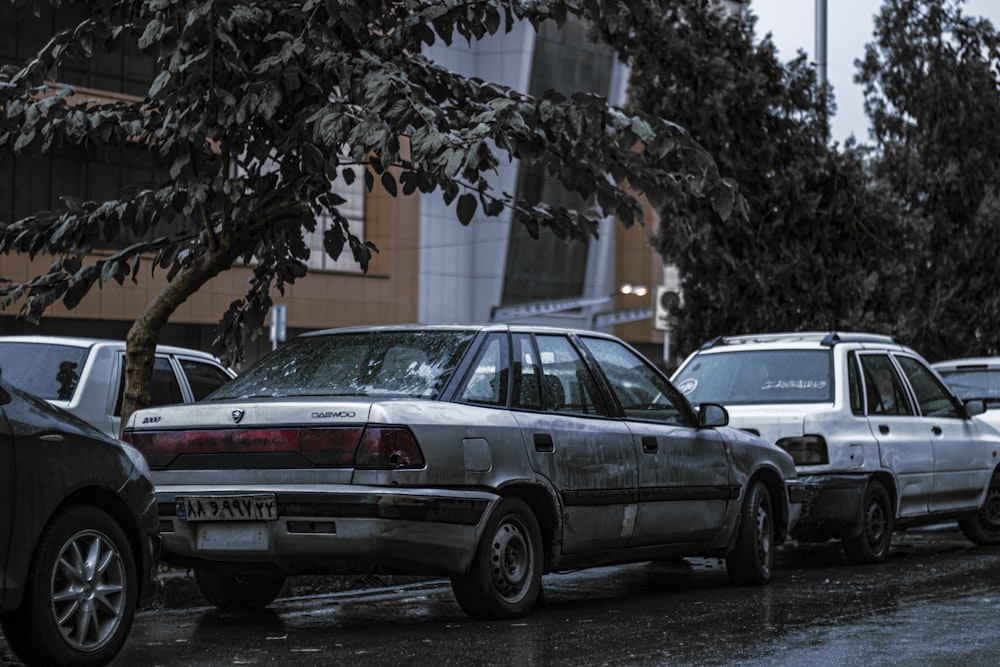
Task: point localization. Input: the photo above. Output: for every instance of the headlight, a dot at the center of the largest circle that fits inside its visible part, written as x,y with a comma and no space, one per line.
806,450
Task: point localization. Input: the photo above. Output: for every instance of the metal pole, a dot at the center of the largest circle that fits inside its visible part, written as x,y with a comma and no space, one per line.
821,43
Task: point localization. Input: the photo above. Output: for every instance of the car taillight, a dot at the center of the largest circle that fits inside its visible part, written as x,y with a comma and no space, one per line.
388,447
324,447
806,450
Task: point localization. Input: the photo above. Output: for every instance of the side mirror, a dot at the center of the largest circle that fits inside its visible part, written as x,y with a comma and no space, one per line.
975,406
712,415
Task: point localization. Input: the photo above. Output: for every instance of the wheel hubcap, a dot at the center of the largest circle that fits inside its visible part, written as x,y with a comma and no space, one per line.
511,562
764,538
875,526
88,590
991,508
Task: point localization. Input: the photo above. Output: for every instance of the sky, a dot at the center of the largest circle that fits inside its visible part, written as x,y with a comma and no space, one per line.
849,27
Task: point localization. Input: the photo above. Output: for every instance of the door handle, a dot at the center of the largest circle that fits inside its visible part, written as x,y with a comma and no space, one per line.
51,437
883,429
543,442
649,445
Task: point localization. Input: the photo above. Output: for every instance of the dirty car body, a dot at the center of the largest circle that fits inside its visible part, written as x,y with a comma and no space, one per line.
490,454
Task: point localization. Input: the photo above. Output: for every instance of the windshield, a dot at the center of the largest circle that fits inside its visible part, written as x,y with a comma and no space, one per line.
758,377
47,371
977,383
414,364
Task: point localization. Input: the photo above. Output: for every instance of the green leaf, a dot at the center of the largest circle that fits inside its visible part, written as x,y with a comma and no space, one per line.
466,208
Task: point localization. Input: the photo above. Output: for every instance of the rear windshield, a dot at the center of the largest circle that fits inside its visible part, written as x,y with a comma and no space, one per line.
47,371
974,383
758,377
371,363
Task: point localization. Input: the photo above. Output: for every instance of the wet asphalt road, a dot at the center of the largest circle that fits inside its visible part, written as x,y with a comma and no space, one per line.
935,602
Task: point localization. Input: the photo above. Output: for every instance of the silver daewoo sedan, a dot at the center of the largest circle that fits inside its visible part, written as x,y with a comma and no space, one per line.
491,454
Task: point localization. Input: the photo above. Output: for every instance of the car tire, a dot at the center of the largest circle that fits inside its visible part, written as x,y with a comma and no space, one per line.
232,591
505,579
872,544
751,562
983,527
80,595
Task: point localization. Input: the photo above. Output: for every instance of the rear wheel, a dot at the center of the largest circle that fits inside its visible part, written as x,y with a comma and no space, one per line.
80,595
235,591
872,545
983,527
505,579
752,561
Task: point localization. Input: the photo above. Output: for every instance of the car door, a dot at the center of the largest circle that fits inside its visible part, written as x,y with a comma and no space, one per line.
6,492
903,436
684,472
589,458
962,460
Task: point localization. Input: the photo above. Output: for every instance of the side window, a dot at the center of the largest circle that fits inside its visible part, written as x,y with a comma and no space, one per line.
166,389
933,399
854,385
884,388
567,385
527,374
203,378
641,391
487,384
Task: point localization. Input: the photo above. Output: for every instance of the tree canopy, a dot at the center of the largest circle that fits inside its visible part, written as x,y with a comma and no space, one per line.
258,106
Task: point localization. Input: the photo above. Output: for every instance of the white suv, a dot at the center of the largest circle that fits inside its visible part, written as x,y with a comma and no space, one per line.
86,376
879,441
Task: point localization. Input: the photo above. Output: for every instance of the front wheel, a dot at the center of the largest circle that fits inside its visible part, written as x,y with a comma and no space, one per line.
505,579
872,545
233,592
983,527
80,595
752,561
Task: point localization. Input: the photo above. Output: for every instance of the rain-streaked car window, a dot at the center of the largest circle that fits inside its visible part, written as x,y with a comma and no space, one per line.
382,363
641,392
46,371
758,377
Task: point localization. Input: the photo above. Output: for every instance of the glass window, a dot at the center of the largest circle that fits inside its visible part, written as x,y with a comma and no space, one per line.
854,382
416,364
527,375
640,390
758,377
166,390
48,371
353,210
884,388
567,385
933,399
487,384
969,383
203,378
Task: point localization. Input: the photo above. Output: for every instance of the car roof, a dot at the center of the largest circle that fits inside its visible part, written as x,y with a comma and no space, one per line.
968,363
513,328
84,342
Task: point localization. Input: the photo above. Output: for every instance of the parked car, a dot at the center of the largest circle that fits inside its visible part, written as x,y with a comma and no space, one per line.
975,379
879,441
78,534
490,454
86,376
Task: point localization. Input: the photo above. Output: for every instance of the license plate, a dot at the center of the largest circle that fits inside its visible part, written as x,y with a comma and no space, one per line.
259,507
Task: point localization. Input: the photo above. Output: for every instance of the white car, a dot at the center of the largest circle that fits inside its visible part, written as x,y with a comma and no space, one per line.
86,376
879,441
491,454
975,379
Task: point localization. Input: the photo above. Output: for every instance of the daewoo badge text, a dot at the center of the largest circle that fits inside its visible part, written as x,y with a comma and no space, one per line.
333,415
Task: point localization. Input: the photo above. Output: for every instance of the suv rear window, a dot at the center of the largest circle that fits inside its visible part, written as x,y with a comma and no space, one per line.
758,377
46,371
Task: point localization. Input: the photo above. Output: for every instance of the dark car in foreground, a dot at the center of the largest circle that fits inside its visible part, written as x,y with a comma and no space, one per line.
880,442
78,535
490,454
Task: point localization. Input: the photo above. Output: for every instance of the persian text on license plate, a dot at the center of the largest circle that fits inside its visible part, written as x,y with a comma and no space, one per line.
260,507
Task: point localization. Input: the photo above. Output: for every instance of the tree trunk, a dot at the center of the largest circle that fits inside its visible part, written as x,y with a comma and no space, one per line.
140,342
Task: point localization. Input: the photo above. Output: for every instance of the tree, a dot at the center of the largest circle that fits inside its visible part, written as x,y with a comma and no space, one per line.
932,90
258,105
819,248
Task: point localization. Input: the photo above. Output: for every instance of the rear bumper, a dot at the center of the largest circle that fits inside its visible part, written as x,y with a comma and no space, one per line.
831,504
336,529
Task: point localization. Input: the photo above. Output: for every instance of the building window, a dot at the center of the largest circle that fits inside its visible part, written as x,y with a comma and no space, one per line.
354,211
